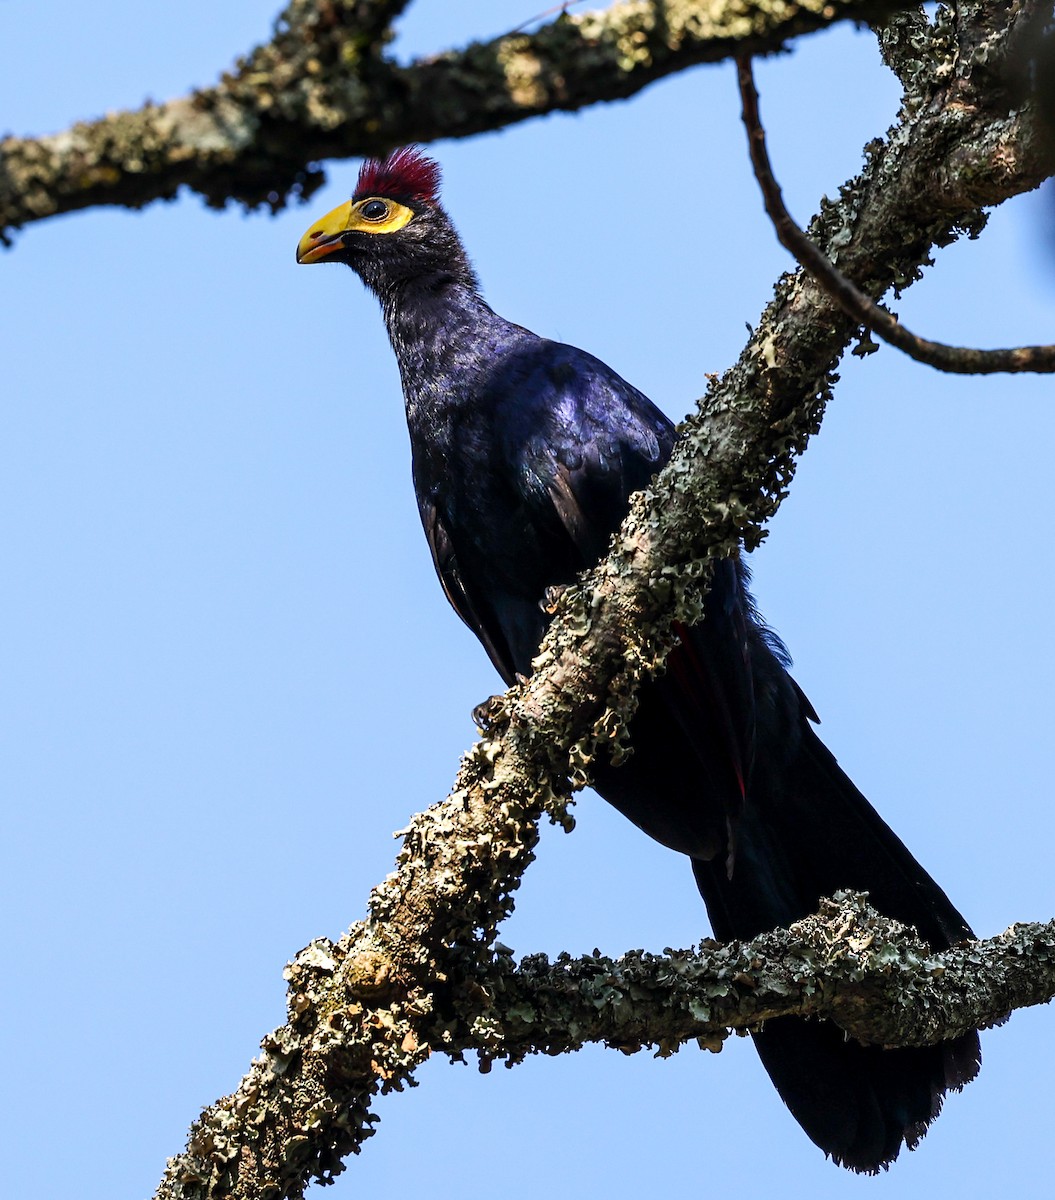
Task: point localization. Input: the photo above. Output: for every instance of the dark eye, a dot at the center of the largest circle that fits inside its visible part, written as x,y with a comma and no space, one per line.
374,210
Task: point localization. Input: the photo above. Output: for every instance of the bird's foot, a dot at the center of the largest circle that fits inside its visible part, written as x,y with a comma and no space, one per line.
488,712
551,598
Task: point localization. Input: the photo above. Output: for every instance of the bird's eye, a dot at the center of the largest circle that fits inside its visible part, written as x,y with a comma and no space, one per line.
374,210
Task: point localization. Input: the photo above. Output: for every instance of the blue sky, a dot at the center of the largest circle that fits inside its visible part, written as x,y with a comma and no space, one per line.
228,673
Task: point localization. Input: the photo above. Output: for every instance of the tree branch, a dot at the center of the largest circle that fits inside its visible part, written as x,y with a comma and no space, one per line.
870,975
364,1012
963,360
321,88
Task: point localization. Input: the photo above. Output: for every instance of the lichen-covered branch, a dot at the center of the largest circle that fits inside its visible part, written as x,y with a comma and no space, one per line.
419,975
322,88
870,975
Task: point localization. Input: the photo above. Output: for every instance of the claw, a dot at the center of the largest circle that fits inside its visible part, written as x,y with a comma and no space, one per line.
486,712
551,597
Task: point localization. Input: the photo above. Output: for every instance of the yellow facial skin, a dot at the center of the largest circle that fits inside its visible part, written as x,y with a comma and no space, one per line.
375,214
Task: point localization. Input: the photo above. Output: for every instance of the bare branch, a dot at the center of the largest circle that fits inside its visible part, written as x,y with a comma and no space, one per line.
322,89
957,359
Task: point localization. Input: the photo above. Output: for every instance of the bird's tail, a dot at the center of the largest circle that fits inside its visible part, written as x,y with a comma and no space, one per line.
860,1104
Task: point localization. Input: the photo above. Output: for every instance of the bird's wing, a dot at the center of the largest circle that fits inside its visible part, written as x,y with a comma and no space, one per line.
591,440
597,441
475,612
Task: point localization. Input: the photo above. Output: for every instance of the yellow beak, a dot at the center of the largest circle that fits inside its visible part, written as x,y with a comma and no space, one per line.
325,237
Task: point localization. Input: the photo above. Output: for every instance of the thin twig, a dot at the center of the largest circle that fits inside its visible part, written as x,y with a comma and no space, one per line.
556,10
962,360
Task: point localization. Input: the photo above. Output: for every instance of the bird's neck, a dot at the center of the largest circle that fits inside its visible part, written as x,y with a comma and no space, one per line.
445,337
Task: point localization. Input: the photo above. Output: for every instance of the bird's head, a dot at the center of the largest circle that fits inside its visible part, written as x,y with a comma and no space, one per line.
393,228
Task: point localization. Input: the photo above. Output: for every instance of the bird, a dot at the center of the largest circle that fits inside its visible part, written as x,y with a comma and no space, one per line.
525,452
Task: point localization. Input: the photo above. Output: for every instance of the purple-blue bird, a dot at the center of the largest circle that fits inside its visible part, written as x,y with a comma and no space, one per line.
525,452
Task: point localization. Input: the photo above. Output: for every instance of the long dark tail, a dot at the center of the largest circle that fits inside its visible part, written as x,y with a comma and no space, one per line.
860,1104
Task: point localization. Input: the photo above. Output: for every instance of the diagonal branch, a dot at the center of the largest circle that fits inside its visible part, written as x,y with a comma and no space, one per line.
963,360
364,1012
321,88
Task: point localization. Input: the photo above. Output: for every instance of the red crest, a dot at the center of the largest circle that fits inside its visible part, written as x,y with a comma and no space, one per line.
405,174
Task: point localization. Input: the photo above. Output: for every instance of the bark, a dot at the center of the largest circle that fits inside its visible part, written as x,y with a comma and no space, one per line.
423,973
323,88
872,976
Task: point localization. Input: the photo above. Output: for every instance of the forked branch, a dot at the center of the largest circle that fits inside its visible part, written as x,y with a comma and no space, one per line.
963,360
